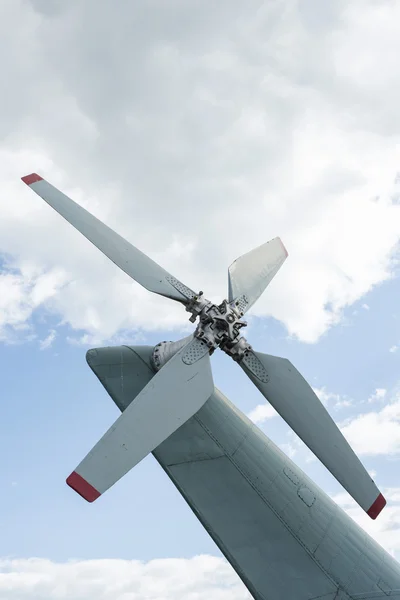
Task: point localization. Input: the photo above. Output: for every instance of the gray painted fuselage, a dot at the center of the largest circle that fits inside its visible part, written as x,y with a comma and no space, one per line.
286,539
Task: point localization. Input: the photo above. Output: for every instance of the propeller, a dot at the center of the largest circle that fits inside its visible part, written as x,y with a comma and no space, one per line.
183,381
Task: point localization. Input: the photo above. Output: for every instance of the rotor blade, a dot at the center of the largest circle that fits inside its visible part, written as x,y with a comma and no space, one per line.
128,258
173,395
250,274
293,398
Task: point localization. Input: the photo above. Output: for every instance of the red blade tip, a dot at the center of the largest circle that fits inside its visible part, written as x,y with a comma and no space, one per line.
377,506
32,178
82,487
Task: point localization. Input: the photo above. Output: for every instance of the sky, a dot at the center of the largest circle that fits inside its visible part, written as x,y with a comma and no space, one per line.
198,131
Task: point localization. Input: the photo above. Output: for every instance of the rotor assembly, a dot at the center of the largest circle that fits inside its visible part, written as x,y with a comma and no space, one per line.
183,379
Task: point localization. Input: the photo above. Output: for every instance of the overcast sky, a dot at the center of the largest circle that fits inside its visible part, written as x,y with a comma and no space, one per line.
198,130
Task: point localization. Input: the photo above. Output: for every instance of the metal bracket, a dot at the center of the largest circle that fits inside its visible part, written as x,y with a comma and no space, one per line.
255,366
164,351
181,287
197,305
196,350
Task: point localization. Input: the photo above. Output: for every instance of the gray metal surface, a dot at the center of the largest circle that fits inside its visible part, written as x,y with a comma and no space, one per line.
128,258
285,538
293,398
220,327
169,399
251,273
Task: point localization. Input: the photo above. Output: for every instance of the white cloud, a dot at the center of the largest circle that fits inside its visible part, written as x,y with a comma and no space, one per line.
326,396
261,413
20,294
288,449
345,403
393,348
365,307
330,399
385,529
48,340
378,396
376,432
205,145
198,578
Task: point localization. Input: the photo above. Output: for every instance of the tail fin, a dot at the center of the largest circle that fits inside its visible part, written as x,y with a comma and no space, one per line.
123,370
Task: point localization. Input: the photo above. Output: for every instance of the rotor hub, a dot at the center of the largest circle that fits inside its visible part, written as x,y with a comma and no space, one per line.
219,327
